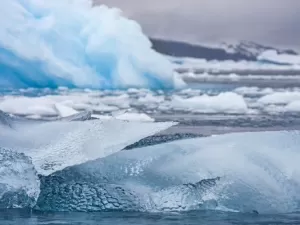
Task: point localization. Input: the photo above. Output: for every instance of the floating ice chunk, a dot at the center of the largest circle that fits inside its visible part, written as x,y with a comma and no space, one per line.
121,101
280,98
190,92
56,145
234,77
19,182
64,111
225,102
102,117
104,108
62,105
21,105
130,116
34,117
253,91
293,107
82,116
150,99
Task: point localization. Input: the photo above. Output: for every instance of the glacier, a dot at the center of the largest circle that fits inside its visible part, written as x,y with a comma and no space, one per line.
240,172
93,46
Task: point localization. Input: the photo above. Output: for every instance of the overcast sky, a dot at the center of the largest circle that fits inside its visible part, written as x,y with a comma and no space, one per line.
275,22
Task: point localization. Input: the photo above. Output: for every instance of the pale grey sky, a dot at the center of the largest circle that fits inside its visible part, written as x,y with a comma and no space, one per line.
274,22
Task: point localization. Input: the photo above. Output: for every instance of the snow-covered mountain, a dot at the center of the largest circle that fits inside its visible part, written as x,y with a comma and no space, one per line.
244,50
252,49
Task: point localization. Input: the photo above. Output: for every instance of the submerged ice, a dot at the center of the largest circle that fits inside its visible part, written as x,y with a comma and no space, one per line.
100,196
94,46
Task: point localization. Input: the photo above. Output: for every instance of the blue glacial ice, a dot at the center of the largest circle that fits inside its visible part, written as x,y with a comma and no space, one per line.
258,171
72,43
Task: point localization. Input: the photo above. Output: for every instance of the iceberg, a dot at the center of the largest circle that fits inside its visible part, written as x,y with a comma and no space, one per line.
56,145
255,172
94,47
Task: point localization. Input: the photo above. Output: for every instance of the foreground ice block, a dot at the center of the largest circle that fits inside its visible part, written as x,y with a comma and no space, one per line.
258,171
59,144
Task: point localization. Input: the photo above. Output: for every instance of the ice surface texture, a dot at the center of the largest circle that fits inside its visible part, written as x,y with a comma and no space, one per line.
92,47
19,182
59,144
258,171
5,119
98,196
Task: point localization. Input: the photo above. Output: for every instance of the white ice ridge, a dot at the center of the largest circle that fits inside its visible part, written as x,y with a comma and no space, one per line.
93,46
56,145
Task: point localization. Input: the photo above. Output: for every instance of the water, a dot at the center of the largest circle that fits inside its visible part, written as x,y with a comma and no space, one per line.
17,217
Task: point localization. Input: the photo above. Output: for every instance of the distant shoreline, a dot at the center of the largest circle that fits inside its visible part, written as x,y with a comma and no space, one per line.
184,49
